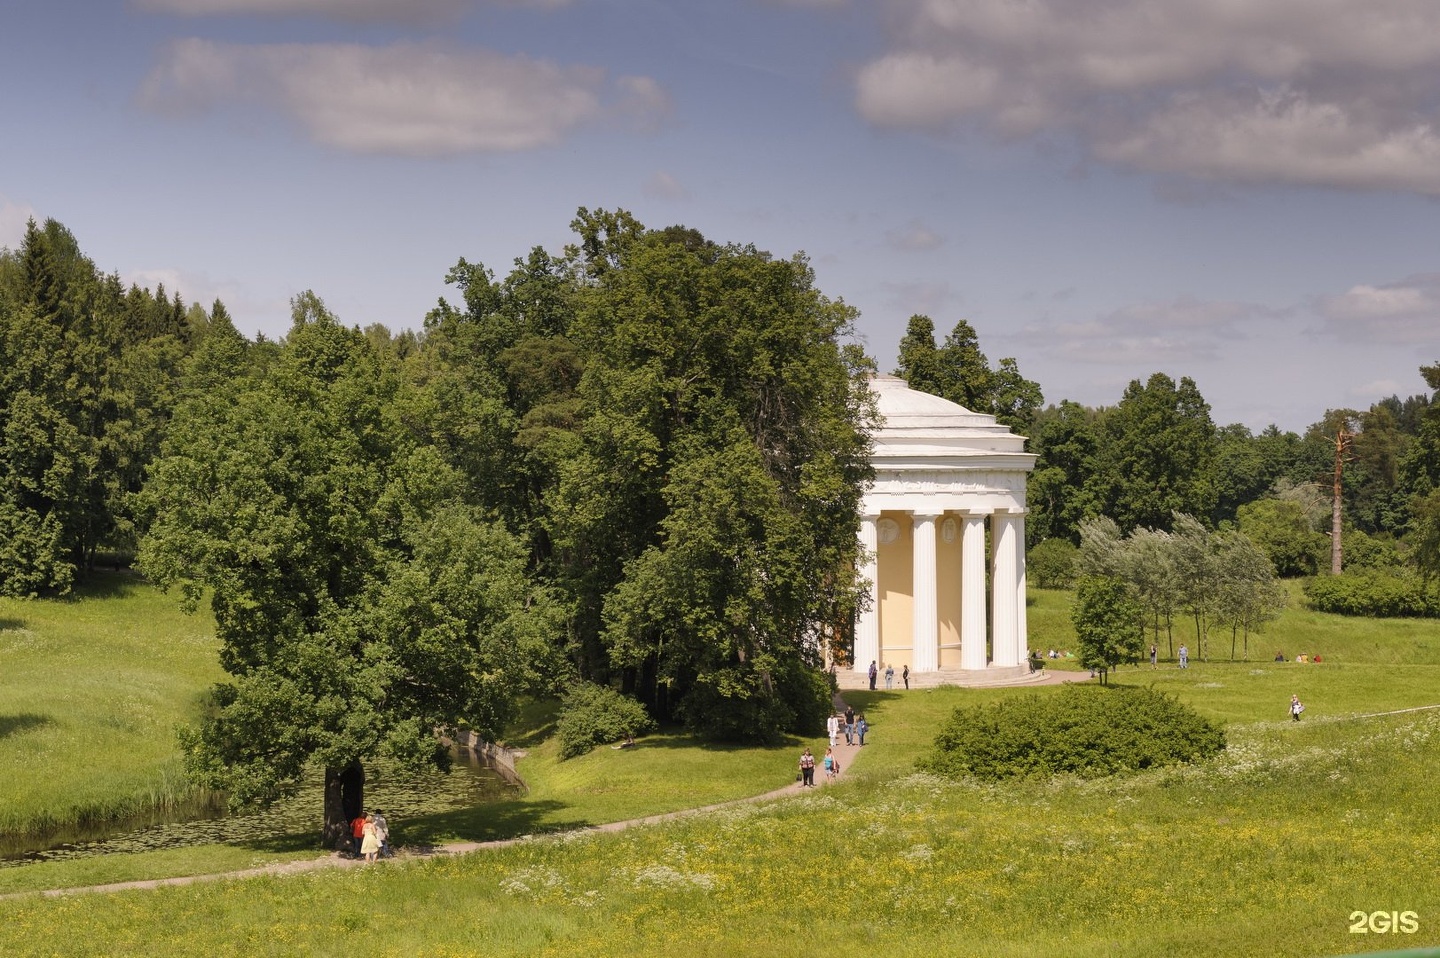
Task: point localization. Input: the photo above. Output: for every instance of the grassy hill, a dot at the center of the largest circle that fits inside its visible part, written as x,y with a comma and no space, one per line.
1271,849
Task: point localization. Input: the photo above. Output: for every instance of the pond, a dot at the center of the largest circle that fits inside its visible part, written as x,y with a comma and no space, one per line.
296,820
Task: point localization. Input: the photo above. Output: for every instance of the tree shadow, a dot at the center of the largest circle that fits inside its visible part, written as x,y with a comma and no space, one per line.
8,625
484,823
98,584
22,722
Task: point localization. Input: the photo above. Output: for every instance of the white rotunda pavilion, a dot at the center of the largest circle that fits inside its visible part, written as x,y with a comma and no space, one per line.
943,474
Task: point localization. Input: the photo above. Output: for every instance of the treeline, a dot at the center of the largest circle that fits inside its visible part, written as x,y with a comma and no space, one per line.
90,372
1157,454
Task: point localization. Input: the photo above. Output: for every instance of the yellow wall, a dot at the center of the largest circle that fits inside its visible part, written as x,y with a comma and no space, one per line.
947,589
896,604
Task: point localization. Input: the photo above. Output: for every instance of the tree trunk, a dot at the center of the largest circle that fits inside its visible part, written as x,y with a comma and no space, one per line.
344,802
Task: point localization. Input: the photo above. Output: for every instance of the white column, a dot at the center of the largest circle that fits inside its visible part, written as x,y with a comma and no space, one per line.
1003,639
972,593
1022,635
867,626
925,615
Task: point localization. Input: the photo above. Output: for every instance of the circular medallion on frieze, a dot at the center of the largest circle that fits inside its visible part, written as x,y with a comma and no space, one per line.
888,529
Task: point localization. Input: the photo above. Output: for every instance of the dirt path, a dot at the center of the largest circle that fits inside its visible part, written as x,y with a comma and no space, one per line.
417,853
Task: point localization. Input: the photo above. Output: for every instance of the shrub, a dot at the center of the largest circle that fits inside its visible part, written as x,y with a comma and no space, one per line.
1051,564
1089,731
592,715
1370,593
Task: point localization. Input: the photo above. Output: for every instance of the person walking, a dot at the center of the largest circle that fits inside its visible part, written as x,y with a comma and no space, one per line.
861,727
1296,707
905,674
1154,655
357,833
832,726
1184,657
382,832
849,725
829,763
370,842
889,677
807,769
873,673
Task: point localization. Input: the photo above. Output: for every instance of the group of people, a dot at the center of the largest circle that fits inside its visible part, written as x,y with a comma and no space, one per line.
1302,657
370,834
889,675
830,763
852,726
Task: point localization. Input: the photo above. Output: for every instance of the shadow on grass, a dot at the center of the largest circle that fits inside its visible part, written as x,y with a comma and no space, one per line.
7,625
105,585
488,822
22,722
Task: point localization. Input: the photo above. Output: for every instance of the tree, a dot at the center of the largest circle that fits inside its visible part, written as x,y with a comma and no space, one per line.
919,359
1281,528
362,599
1149,564
958,371
687,433
1061,488
1154,457
1108,624
1249,594
1198,570
1425,535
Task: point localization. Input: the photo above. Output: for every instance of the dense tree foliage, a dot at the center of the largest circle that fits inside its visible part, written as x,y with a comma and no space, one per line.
88,378
685,435
958,371
365,600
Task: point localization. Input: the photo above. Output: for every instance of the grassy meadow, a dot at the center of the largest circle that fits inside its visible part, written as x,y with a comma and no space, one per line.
91,690
1270,850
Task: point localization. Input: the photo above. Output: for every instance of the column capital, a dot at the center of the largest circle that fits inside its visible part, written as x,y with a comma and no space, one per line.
930,512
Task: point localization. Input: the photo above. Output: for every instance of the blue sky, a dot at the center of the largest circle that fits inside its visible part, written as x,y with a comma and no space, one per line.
1243,193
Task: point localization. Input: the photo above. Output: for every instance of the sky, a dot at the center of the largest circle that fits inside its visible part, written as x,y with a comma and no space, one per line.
1245,192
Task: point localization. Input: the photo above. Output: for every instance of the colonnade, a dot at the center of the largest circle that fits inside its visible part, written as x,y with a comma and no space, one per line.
928,573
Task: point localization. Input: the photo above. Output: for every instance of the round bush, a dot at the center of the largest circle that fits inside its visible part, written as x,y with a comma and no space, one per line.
1370,593
593,715
1088,731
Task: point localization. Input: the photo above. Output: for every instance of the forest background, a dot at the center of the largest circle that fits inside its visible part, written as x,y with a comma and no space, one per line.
634,464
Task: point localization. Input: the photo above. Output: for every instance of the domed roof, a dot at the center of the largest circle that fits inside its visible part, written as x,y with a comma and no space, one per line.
918,423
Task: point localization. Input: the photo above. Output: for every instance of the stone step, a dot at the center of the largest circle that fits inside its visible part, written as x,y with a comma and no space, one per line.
995,676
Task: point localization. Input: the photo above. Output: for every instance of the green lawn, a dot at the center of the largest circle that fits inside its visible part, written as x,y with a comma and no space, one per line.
91,690
1267,850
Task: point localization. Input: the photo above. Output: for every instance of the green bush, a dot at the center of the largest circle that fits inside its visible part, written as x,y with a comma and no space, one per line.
1051,564
593,715
1089,731
1371,593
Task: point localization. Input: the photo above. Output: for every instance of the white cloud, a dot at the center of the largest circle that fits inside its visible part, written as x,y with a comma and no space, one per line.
1310,92
406,99
914,236
403,11
661,185
13,217
1406,312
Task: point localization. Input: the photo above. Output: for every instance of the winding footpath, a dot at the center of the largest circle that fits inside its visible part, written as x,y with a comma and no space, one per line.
417,853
